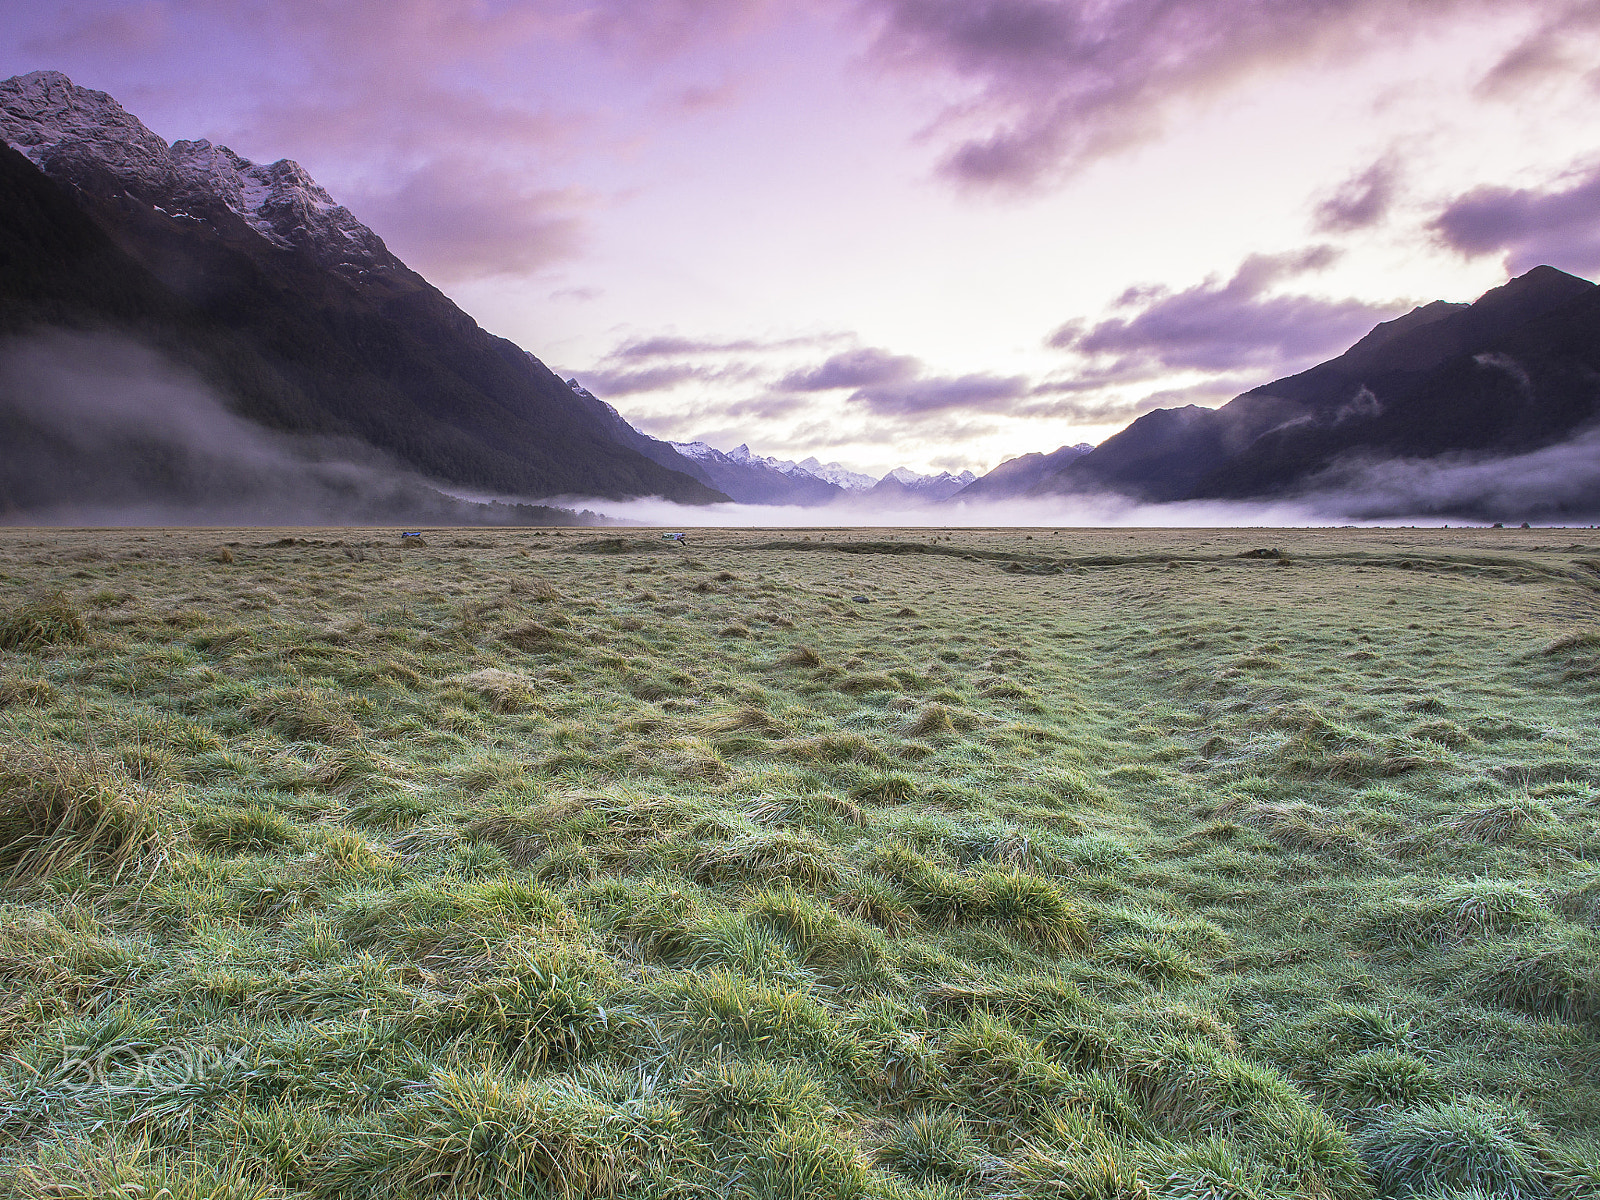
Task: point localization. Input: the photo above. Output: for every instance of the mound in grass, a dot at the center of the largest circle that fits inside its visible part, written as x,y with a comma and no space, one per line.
936,1147
84,1169
46,620
59,809
1460,1144
742,1097
481,1133
506,691
305,714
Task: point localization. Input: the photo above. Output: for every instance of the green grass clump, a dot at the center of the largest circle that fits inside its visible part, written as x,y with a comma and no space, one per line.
546,1011
47,620
936,1147
305,714
741,1098
60,808
480,1133
1466,1143
725,1013
239,829
1385,1079
84,1169
766,857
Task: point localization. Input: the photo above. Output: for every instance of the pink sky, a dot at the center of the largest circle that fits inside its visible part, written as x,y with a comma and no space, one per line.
927,232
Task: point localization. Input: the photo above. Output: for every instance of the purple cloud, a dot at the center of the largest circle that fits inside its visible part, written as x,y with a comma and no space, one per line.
1553,49
451,221
1217,326
1559,226
866,367
1055,84
1362,201
671,345
915,397
433,120
1099,409
651,379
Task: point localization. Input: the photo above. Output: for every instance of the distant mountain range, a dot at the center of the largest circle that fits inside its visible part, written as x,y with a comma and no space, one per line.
752,479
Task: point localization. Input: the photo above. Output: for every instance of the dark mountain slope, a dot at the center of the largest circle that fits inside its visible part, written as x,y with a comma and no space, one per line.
1511,372
296,314
1016,476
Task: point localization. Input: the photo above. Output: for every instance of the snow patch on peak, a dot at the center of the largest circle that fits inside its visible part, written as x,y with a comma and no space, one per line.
578,389
280,201
86,138
837,474
904,475
60,126
698,450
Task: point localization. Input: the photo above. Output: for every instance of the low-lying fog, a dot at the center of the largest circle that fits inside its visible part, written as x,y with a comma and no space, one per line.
98,430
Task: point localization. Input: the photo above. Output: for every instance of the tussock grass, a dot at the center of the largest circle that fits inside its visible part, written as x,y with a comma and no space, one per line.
1498,822
742,1098
50,619
83,1169
934,720
893,788
746,719
244,829
1459,1144
28,690
767,857
834,748
479,1133
506,691
60,809
936,1147
531,637
731,1015
817,809
1468,911
545,1011
305,714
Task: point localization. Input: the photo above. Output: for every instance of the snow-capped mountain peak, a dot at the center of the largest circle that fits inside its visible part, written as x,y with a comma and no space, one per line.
698,450
87,137
46,116
837,474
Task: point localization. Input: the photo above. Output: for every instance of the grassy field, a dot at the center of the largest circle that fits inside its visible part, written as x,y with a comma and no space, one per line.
822,863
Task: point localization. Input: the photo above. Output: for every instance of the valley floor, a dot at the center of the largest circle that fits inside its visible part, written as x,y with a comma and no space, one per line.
800,863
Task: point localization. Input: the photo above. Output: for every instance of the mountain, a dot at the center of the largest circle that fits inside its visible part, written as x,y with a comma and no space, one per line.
254,282
903,484
1515,371
751,479
1016,476
838,475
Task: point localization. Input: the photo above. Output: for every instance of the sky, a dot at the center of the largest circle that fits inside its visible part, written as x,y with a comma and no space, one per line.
933,233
